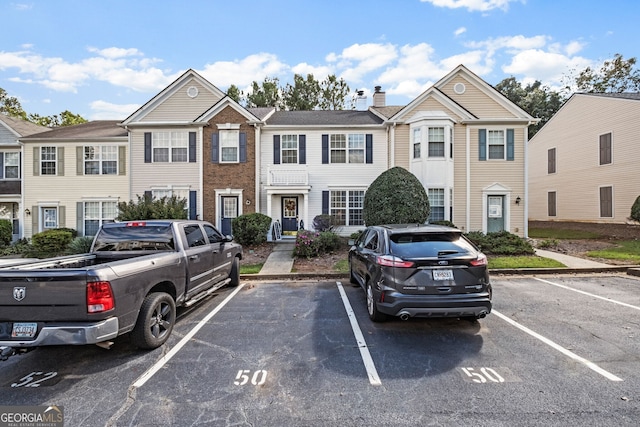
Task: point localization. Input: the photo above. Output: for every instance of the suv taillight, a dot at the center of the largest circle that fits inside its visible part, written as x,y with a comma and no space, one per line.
480,261
99,297
393,261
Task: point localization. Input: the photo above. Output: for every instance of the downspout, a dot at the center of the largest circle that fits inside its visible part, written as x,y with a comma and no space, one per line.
392,145
200,214
468,182
258,154
526,183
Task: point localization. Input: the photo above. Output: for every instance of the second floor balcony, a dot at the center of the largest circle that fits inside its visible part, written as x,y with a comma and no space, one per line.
287,176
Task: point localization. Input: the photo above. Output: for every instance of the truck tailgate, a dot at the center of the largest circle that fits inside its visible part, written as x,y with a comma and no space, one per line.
44,296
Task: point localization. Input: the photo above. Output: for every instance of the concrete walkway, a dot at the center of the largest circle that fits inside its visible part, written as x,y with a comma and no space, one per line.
280,261
570,261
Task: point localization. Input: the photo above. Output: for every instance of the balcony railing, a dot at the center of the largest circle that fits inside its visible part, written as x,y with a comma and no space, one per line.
288,176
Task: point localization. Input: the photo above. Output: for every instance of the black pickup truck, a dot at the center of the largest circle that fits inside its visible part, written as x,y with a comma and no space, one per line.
133,278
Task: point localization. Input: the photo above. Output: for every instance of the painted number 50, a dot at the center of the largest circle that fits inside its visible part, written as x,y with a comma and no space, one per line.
258,377
485,374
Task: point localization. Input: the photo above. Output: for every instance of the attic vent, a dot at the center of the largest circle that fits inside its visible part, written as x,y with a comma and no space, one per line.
459,88
192,92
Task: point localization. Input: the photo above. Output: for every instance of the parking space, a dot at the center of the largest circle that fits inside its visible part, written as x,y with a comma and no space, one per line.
305,353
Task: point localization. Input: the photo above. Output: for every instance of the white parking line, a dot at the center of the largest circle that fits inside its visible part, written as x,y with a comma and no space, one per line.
372,373
558,347
164,359
624,304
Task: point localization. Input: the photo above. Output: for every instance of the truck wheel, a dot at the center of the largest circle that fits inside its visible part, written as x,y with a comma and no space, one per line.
234,275
155,321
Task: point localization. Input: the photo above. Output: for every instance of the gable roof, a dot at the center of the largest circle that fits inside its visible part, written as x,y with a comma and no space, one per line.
20,127
324,118
97,129
633,96
167,92
223,103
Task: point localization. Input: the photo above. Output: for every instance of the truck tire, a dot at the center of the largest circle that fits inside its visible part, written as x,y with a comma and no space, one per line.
155,321
234,275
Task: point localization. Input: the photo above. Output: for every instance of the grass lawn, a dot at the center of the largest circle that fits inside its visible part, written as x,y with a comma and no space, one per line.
530,261
628,250
251,269
549,233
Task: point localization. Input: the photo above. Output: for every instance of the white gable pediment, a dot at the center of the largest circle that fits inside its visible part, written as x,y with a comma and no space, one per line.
496,188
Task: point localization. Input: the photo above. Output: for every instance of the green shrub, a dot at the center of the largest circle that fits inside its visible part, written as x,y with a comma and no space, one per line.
6,232
80,245
49,243
635,210
444,222
310,244
323,222
548,243
147,207
395,197
251,229
500,243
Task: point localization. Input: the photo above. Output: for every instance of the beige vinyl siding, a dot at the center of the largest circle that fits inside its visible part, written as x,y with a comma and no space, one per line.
144,176
67,190
475,100
460,175
402,146
180,107
575,133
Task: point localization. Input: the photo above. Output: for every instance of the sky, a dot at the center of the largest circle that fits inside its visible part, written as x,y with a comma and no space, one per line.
103,59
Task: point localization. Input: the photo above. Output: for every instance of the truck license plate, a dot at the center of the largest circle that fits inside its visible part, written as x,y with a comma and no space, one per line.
442,275
24,330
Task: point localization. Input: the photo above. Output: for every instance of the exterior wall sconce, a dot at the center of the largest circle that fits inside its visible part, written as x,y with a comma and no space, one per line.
518,200
27,212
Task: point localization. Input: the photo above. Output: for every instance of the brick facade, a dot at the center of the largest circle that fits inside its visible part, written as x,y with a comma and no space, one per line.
233,176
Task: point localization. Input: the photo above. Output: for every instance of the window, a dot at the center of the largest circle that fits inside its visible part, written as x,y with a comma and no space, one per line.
346,206
436,201
49,218
416,143
101,160
229,146
606,202
194,236
347,148
605,149
97,213
213,234
170,147
11,165
551,160
436,142
179,193
48,160
551,203
496,143
289,148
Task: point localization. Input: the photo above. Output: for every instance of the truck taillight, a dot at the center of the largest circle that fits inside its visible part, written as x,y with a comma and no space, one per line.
99,297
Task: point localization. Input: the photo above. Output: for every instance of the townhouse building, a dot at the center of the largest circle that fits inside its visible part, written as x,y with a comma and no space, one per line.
464,141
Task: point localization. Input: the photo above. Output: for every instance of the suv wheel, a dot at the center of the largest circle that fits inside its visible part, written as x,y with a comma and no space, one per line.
372,306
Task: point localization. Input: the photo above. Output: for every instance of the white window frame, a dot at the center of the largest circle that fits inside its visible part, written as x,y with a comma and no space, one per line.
175,143
14,164
47,223
104,214
289,149
354,147
101,155
48,154
494,141
417,141
180,192
437,200
431,140
344,200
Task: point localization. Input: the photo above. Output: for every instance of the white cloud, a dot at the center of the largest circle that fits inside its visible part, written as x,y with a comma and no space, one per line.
547,67
459,31
359,59
319,72
103,110
472,5
244,71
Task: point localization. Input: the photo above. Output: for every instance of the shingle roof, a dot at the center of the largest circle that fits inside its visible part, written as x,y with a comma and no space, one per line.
623,95
22,127
323,118
94,129
260,112
389,111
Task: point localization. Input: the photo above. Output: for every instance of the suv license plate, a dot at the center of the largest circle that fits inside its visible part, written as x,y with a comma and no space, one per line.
442,275
24,330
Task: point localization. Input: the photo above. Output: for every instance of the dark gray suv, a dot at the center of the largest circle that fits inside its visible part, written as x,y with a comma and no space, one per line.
409,270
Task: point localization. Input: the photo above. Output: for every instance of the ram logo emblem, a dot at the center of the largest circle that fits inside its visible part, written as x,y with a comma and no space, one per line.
19,292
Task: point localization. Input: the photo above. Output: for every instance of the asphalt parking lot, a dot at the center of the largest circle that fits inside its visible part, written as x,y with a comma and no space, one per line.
561,350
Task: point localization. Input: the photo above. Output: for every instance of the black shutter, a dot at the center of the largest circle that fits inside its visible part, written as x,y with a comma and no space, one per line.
482,144
325,149
214,148
302,149
147,147
192,147
192,205
276,149
325,203
243,147
369,148
1,165
510,145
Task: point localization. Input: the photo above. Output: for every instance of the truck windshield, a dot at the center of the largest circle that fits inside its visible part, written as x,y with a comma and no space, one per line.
141,238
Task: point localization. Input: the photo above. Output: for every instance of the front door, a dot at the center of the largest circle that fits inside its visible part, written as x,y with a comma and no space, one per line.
495,213
289,215
229,211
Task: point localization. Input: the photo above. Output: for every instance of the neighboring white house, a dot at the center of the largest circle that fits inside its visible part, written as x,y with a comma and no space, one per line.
584,161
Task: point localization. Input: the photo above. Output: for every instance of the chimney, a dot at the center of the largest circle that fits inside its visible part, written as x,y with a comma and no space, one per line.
361,101
379,97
